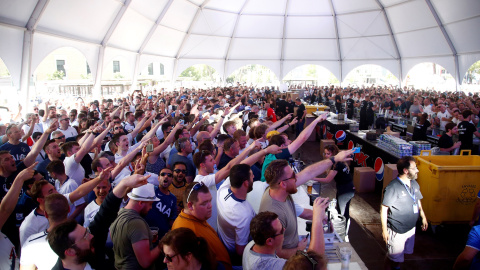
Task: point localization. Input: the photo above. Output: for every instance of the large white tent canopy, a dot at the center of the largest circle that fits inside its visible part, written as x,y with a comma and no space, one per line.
339,35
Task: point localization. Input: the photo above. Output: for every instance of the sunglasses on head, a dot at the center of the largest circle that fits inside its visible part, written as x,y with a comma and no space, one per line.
197,186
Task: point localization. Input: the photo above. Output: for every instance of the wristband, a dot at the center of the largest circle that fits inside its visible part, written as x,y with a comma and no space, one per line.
332,159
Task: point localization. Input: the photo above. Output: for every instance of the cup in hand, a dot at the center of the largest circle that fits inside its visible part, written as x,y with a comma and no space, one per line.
345,256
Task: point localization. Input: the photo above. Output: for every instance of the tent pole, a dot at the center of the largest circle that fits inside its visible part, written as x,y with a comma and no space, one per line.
25,74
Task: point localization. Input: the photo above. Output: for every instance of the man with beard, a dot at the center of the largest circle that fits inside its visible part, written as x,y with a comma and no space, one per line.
53,152
277,198
78,247
131,235
234,212
401,208
179,183
163,212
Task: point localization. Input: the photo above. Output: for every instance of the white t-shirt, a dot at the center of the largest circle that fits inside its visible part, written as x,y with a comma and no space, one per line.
440,115
209,181
37,128
89,213
234,216
7,249
33,224
69,186
38,252
73,169
70,132
130,149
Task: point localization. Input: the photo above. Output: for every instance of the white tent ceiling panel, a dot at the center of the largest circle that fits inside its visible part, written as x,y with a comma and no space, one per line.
275,7
309,7
410,16
390,65
151,9
11,51
387,3
458,11
331,66
131,31
165,42
362,24
127,58
208,47
217,23
245,48
307,49
310,27
380,47
260,27
17,12
226,5
428,42
465,35
168,63
43,45
446,61
76,19
180,15
197,2
233,65
351,6
465,61
186,63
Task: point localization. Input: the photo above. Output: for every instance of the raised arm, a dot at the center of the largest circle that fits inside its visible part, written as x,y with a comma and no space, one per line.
272,149
153,131
85,147
10,200
127,159
45,116
170,138
317,242
30,158
30,130
219,124
279,122
88,186
303,136
285,127
318,168
139,126
101,136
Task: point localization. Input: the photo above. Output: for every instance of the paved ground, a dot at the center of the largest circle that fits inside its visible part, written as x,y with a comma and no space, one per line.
432,250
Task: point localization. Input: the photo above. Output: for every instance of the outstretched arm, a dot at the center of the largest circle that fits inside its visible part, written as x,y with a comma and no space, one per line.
30,158
302,138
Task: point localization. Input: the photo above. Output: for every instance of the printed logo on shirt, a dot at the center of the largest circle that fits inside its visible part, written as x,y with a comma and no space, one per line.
161,209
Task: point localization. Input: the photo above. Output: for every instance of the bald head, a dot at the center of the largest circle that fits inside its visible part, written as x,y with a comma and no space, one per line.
202,135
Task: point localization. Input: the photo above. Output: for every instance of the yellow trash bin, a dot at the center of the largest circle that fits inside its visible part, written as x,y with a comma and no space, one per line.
449,185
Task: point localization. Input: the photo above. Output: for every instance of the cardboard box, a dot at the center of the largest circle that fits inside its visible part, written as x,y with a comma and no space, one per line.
364,179
324,143
390,174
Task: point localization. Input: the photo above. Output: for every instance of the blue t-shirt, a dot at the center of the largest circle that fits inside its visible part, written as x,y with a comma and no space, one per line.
473,241
19,151
162,212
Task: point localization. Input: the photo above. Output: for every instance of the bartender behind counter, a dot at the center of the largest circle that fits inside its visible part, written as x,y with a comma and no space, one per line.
445,143
349,104
466,130
420,130
366,113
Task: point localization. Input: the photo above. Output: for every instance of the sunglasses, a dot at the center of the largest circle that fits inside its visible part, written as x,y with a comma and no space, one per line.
301,252
180,171
59,138
170,258
167,174
294,176
116,128
196,187
282,231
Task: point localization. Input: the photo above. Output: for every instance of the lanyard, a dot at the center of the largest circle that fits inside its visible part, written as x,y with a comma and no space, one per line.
408,190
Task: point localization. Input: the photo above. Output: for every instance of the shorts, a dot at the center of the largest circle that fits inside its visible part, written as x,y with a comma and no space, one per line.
400,244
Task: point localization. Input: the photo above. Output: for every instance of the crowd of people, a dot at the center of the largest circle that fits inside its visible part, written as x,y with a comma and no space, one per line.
160,179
